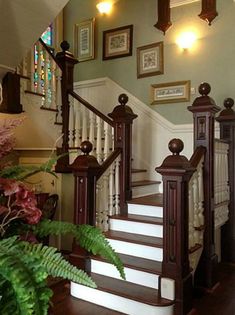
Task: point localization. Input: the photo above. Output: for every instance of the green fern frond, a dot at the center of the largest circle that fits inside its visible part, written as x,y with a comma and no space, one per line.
55,265
89,237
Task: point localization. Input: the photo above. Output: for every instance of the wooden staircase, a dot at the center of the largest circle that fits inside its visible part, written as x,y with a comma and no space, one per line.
137,238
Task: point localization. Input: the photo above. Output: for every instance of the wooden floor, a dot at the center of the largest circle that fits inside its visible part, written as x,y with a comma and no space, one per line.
219,302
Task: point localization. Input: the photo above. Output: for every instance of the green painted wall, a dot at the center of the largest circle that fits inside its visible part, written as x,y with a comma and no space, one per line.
211,60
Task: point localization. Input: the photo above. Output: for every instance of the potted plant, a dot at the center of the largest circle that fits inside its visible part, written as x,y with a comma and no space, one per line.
25,263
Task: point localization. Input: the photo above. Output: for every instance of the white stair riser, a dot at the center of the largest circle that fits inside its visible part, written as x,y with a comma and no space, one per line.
116,302
132,275
136,227
137,250
145,190
151,211
136,177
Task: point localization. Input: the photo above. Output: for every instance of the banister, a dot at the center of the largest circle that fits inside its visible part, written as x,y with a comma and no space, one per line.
91,108
112,157
197,155
49,52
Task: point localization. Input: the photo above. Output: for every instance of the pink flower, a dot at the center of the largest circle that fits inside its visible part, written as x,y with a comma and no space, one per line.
9,186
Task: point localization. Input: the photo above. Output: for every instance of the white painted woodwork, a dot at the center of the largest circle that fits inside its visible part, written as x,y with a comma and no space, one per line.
133,249
167,288
116,302
132,275
136,227
151,211
107,195
140,191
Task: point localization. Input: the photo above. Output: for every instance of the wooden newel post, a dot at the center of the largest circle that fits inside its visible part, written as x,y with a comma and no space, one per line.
85,169
204,110
66,61
176,172
227,132
123,117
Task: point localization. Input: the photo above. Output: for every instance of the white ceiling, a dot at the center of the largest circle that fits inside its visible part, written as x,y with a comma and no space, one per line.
21,24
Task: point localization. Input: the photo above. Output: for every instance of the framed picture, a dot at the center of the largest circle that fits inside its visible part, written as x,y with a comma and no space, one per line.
172,92
150,60
117,42
84,40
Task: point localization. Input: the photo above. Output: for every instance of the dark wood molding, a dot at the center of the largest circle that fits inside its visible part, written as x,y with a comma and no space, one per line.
176,171
123,117
66,61
85,169
208,12
11,94
204,110
226,119
164,13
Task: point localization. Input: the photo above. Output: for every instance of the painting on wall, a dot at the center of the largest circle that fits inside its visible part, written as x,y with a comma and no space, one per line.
117,42
172,92
84,40
150,60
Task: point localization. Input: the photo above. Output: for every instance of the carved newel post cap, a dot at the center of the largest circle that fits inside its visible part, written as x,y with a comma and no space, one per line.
122,112
65,45
123,99
204,88
86,147
175,163
227,114
176,146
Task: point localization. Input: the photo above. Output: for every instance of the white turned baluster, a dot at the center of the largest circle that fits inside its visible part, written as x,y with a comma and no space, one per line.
92,130
105,200
71,122
53,83
46,78
99,139
191,215
111,189
117,183
32,68
58,95
77,112
106,140
98,205
39,69
84,124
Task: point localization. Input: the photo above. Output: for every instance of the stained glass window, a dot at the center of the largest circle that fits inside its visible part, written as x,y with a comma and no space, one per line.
47,36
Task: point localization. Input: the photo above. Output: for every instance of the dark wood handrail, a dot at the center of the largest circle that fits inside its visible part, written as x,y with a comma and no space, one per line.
197,155
49,51
109,161
91,108
221,140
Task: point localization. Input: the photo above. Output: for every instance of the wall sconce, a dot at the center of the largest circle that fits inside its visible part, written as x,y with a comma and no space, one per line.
186,40
105,7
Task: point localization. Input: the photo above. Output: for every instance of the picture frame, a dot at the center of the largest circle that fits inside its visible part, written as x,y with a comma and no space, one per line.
118,42
84,40
173,92
150,60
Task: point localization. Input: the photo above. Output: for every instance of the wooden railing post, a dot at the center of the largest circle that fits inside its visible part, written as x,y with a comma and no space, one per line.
85,169
227,132
123,117
204,110
176,172
66,62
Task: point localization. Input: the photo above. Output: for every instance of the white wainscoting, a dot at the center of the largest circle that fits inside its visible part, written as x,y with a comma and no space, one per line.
151,131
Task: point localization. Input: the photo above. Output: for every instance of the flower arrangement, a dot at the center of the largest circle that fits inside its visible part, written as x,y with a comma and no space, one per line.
25,266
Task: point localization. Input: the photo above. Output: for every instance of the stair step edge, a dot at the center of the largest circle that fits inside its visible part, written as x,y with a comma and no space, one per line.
138,219
130,290
137,261
144,183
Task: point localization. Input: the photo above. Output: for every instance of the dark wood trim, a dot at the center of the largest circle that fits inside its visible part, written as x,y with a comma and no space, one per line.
34,93
123,117
176,171
227,132
49,109
204,110
208,12
112,157
197,155
164,16
91,108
